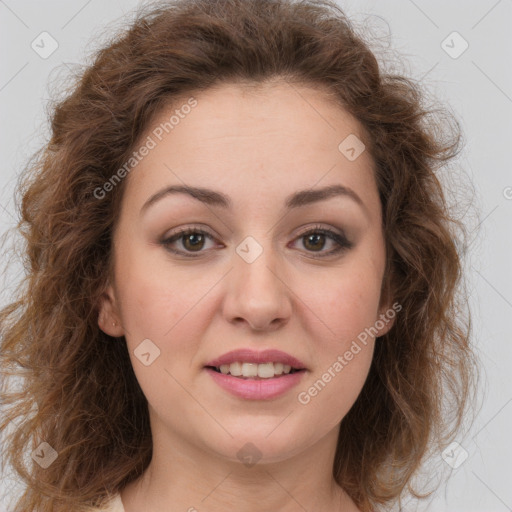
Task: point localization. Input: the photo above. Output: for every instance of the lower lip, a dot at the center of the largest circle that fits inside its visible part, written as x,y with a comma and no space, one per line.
252,389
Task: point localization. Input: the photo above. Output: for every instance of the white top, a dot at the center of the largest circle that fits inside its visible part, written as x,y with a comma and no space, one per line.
114,505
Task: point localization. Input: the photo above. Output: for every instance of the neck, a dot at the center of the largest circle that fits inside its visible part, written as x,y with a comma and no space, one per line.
186,477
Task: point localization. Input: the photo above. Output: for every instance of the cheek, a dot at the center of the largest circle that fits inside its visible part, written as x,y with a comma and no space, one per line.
348,308
168,312
155,299
343,360
346,304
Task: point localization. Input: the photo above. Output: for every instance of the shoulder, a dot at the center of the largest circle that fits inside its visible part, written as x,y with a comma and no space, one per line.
113,505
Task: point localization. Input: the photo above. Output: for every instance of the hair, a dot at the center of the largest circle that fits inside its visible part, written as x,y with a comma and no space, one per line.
77,390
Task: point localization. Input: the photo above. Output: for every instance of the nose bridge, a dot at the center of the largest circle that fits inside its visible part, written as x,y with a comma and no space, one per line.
257,293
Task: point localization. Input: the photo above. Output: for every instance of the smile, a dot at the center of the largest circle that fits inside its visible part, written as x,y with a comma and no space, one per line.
256,371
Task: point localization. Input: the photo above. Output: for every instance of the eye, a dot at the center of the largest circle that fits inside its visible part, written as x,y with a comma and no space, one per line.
192,240
314,240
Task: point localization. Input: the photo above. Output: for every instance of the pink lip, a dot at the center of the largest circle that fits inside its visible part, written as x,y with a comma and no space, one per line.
247,355
256,389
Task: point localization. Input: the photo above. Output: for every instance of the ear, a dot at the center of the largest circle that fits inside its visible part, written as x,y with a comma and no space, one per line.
387,309
386,318
109,320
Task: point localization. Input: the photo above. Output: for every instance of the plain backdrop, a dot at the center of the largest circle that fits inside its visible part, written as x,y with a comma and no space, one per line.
469,71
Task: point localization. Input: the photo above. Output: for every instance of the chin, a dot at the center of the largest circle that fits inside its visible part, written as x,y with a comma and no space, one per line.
258,446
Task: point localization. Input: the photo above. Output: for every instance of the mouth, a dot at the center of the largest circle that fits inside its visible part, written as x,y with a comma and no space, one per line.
256,381
255,371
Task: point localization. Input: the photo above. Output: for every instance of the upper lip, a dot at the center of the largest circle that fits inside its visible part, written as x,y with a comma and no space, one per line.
247,355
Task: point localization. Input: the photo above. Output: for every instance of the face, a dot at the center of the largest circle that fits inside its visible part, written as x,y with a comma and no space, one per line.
261,268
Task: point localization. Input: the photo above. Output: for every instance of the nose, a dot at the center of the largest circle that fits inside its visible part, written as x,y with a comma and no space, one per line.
258,294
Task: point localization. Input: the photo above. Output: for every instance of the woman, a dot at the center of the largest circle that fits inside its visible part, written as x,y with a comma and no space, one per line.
243,281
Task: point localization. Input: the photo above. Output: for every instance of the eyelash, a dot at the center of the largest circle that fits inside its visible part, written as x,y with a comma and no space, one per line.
338,238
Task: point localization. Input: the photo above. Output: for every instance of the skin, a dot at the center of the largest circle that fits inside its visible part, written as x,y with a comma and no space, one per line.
257,147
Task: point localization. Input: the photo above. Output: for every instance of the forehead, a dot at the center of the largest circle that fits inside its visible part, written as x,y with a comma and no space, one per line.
268,139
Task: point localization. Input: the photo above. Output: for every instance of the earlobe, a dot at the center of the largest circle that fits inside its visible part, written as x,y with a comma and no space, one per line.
387,310
108,318
386,319
384,323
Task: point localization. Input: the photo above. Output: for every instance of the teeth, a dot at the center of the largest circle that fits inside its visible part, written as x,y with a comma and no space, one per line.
263,370
234,368
249,369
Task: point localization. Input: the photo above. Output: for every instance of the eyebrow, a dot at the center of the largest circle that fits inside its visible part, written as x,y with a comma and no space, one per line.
215,198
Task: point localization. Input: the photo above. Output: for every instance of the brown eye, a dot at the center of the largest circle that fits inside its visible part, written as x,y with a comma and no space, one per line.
315,240
192,241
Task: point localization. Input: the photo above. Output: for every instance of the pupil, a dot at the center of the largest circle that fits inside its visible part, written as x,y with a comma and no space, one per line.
193,237
316,237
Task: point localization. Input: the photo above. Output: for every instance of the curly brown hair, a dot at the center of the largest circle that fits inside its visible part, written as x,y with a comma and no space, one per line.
77,389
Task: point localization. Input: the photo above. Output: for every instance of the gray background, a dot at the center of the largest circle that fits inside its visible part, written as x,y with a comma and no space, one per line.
477,85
